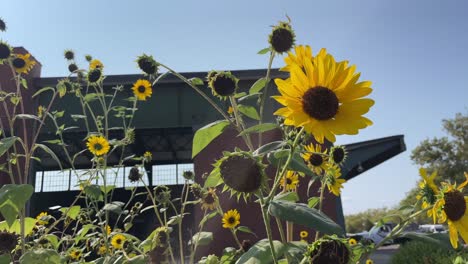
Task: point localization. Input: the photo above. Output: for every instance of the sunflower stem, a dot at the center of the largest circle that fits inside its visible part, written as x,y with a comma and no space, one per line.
322,192
240,123
266,221
264,95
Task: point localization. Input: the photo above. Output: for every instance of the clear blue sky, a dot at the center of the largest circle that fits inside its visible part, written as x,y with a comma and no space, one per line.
415,52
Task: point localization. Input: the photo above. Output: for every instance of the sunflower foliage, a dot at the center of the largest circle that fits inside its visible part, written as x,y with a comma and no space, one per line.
320,98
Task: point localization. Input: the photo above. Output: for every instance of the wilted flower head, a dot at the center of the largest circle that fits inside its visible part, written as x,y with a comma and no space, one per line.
8,242
69,54
188,175
2,25
282,37
147,64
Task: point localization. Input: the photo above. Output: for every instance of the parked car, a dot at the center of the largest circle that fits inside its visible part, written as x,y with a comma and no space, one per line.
432,229
375,235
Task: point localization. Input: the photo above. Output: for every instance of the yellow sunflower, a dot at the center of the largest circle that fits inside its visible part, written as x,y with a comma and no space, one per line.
303,234
23,63
231,219
209,199
108,230
352,242
98,145
324,97
42,218
118,241
316,159
102,250
453,208
96,64
369,261
75,254
427,190
303,53
292,179
142,89
333,181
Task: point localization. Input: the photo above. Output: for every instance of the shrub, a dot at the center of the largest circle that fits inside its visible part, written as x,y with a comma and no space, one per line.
417,252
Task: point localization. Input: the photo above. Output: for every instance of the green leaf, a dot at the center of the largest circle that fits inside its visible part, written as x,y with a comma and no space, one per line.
93,192
206,134
29,224
301,214
13,197
40,256
437,239
313,201
239,95
278,158
295,250
260,253
259,128
53,239
24,83
250,96
72,213
249,111
6,143
203,238
245,229
43,90
27,116
91,97
107,189
50,152
268,147
141,259
258,86
214,179
264,51
287,196
207,217
114,207
196,81
5,259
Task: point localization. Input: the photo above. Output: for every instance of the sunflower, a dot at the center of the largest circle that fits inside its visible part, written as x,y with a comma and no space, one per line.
94,75
329,249
333,181
338,155
147,156
142,89
324,98
5,51
118,241
303,234
8,241
209,199
223,84
98,145
315,158
427,191
96,64
369,261
75,254
23,63
452,206
102,250
230,111
282,37
292,179
352,242
147,64
42,218
303,53
108,230
231,219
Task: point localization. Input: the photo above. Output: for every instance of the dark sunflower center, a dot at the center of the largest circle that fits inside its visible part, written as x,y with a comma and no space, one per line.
282,40
231,220
98,146
118,241
320,103
288,181
141,89
455,205
330,252
224,85
241,173
5,51
338,155
209,199
19,63
147,66
316,160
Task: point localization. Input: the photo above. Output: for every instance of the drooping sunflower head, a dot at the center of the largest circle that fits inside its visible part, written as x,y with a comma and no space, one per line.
455,205
196,190
22,63
64,86
333,180
231,219
98,145
427,188
241,173
338,155
69,54
282,37
96,64
209,199
8,242
324,97
94,76
142,89
118,241
42,218
2,25
162,194
5,51
161,237
315,158
134,175
147,64
74,254
223,84
329,249
292,180
72,67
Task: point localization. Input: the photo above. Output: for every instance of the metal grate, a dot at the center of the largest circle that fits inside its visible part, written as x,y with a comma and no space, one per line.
170,174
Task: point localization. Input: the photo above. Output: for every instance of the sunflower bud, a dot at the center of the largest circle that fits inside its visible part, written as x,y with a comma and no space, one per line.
69,54
2,25
147,64
88,58
5,51
162,194
282,37
188,175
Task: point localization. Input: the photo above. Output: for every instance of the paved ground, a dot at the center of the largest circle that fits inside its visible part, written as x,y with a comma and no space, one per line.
384,254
